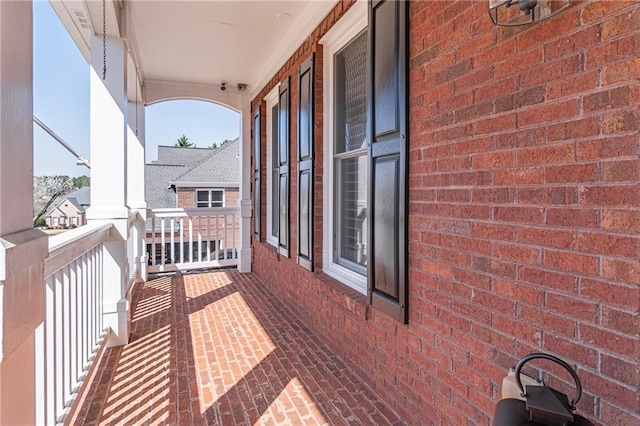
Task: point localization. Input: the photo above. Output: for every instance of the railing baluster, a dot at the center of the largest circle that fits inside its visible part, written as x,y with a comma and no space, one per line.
163,249
199,239
90,276
96,324
208,238
153,241
73,313
217,240
58,345
181,241
234,246
173,238
100,284
190,240
226,234
66,327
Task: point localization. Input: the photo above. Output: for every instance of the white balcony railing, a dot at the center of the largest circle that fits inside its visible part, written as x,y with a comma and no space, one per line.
180,239
73,331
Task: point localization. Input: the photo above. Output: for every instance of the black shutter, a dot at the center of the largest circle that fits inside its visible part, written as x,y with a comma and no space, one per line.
256,174
388,177
283,161
305,163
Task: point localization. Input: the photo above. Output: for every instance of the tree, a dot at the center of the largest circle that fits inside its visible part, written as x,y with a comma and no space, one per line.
80,181
45,191
214,146
183,142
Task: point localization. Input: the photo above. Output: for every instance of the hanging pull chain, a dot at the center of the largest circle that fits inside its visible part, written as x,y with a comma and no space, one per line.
104,39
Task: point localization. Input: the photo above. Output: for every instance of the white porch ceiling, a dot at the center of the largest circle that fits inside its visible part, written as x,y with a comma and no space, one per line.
207,42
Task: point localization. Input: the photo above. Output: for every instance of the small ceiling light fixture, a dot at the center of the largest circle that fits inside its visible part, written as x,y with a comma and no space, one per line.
527,12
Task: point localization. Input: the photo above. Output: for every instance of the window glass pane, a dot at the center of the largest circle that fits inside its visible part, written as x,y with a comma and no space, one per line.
351,95
274,137
216,196
203,196
305,182
275,174
275,203
352,211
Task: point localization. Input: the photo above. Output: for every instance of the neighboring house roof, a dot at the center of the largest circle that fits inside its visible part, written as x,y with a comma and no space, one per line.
220,168
158,192
82,196
58,211
179,156
189,167
74,202
79,199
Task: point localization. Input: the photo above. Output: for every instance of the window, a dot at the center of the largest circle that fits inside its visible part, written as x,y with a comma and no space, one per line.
273,168
206,198
345,246
350,155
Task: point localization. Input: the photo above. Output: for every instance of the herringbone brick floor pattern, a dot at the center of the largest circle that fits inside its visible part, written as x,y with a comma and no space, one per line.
219,348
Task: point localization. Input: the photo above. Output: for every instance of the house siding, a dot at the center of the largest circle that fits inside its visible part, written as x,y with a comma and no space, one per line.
523,214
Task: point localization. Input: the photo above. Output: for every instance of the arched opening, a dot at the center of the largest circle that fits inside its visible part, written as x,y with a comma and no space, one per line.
205,124
192,183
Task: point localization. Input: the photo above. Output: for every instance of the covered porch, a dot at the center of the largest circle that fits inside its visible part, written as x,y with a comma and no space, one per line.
478,202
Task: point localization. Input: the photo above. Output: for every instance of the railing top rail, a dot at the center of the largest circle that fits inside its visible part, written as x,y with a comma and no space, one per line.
70,245
160,213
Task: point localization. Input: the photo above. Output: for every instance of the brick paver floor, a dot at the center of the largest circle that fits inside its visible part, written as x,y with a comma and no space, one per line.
218,348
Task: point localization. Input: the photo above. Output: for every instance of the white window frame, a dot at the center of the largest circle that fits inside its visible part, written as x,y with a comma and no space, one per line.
271,100
346,29
209,190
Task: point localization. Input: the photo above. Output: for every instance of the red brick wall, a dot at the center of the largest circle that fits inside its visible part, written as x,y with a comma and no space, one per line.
186,198
524,218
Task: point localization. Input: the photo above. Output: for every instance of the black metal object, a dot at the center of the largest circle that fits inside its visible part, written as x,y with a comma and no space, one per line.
542,406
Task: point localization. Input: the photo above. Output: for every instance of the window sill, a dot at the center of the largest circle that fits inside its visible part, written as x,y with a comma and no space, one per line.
351,299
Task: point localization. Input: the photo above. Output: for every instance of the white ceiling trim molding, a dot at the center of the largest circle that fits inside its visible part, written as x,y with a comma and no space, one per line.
181,184
158,90
310,17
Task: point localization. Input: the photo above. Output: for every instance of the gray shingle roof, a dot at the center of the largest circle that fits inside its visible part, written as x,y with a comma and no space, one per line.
220,167
74,202
82,196
178,156
158,194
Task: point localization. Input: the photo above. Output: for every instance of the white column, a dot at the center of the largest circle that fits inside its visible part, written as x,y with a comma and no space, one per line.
22,248
135,171
108,134
245,185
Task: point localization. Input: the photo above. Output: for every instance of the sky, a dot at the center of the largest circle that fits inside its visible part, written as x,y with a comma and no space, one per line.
61,101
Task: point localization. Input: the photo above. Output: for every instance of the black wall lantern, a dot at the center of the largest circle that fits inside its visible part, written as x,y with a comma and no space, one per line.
522,12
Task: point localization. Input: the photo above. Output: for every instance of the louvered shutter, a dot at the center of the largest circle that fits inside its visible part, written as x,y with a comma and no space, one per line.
388,177
256,174
305,163
283,154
